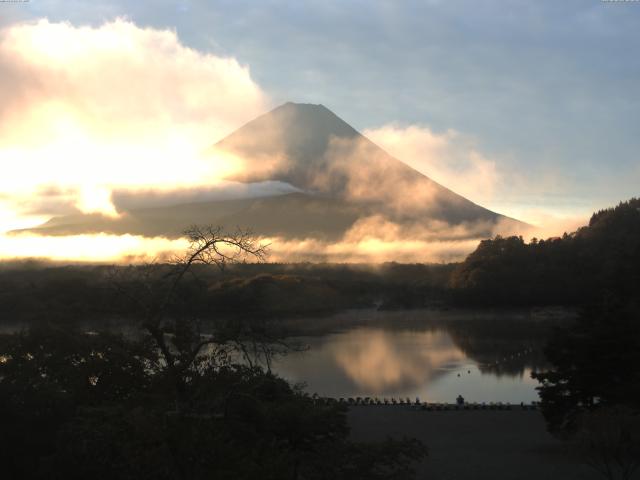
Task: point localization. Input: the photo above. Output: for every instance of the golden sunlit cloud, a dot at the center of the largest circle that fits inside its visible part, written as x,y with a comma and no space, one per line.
448,158
370,240
370,249
128,248
89,248
545,224
89,109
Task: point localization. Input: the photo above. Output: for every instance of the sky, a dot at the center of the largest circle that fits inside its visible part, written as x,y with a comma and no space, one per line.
529,108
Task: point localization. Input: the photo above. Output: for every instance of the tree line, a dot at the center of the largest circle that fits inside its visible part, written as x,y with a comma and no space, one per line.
598,259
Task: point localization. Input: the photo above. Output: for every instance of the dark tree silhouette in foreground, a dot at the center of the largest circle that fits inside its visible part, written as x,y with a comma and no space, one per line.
170,402
595,364
591,394
157,298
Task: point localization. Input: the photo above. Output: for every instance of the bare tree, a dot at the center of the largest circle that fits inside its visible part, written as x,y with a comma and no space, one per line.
153,290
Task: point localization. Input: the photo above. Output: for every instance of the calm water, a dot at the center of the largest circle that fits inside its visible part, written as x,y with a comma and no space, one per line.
427,354
433,355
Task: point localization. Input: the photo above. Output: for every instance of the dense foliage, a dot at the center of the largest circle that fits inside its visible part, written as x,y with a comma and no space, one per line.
571,270
78,405
595,364
30,289
591,392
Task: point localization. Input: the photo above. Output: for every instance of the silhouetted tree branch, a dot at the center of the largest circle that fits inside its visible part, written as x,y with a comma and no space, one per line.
153,292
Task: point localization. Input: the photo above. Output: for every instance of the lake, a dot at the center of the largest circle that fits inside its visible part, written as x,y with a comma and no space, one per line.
433,355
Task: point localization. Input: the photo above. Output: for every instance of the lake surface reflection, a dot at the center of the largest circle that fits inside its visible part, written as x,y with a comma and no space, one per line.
428,354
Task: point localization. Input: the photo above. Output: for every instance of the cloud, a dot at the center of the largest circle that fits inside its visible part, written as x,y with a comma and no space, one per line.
535,195
89,109
449,158
372,239
376,239
370,250
379,227
356,169
48,200
90,248
546,225
129,199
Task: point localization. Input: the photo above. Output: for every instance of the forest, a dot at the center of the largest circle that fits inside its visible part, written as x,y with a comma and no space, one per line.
598,259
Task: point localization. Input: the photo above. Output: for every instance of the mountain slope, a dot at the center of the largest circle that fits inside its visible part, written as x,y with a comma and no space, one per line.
294,215
341,178
311,148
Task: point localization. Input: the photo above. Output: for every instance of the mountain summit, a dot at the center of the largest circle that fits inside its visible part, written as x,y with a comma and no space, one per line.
299,130
336,180
311,148
289,143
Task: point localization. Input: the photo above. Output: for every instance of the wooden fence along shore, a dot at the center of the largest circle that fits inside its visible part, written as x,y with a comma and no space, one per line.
418,405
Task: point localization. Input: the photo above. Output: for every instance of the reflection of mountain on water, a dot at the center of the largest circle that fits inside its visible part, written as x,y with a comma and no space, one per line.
419,352
372,361
380,360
